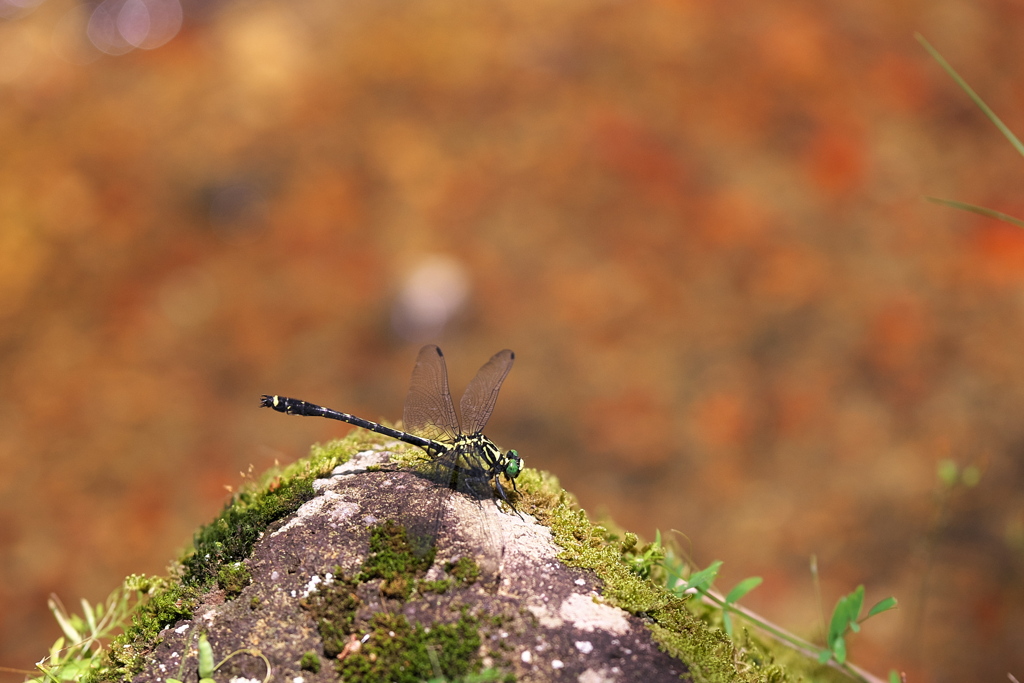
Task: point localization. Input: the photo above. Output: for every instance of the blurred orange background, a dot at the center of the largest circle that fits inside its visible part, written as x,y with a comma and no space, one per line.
700,226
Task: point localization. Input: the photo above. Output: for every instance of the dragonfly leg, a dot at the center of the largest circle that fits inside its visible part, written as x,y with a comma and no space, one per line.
501,492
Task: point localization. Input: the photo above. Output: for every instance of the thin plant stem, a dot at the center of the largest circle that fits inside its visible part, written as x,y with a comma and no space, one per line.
1007,133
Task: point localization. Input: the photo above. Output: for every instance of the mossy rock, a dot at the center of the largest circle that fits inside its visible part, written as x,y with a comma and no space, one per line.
344,581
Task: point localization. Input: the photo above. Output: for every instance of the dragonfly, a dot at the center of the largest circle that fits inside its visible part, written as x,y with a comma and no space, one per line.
461,457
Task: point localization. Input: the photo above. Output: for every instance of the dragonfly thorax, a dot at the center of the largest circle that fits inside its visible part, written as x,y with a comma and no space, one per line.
478,455
476,461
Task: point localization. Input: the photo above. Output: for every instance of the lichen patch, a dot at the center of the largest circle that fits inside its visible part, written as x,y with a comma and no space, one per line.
586,615
328,503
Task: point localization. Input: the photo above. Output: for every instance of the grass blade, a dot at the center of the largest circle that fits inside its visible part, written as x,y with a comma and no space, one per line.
973,208
1007,133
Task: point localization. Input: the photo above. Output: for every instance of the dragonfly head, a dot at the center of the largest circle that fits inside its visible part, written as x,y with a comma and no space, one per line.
513,464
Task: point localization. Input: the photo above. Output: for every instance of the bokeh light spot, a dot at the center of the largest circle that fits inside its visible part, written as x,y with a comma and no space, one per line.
433,293
133,22
118,26
10,9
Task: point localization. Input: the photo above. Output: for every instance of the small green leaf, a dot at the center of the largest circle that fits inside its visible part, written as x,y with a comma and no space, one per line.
205,657
824,656
856,602
727,622
55,649
839,650
73,670
705,577
742,588
172,680
840,619
894,676
882,606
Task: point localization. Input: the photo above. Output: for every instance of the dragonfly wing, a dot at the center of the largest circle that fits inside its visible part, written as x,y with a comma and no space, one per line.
428,406
463,523
480,535
478,402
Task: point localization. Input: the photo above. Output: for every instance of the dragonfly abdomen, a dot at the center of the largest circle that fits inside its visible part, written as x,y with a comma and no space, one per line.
293,406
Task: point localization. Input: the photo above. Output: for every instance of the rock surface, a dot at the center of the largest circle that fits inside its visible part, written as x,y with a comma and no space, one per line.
537,619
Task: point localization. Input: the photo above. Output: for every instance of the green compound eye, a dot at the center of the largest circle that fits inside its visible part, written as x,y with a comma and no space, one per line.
515,464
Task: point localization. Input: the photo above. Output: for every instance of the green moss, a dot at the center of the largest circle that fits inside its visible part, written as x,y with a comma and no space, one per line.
466,570
228,539
334,606
708,652
440,586
405,653
231,536
396,649
310,662
392,560
674,623
404,456
127,654
232,578
402,651
585,545
539,493
325,457
396,559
